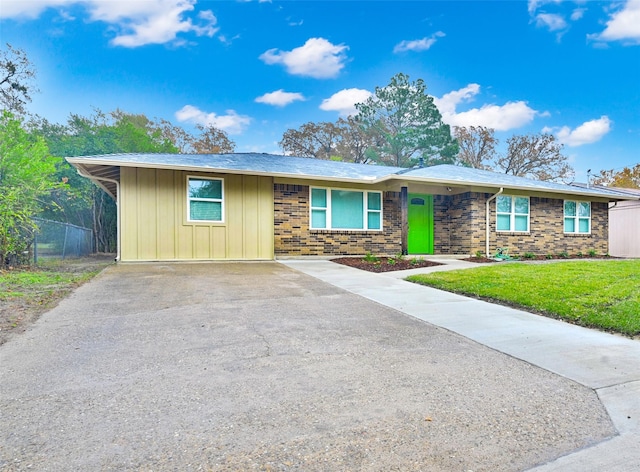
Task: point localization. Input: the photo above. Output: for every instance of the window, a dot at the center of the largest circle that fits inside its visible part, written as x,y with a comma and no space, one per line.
512,213
345,209
577,217
204,199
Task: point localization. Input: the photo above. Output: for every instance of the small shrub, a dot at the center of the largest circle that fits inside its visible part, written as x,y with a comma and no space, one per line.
592,253
529,255
415,260
370,258
564,255
391,261
549,256
479,254
580,254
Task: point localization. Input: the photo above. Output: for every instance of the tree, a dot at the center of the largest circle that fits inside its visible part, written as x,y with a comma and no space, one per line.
407,123
82,202
344,140
212,141
26,175
317,140
626,178
16,80
355,141
537,156
477,146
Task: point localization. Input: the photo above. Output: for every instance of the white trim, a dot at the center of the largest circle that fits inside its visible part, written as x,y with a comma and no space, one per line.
212,200
328,209
576,218
512,214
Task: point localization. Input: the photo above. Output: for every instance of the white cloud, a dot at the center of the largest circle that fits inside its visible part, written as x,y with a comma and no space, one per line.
587,133
279,98
344,101
623,25
232,122
29,8
318,58
577,14
551,21
448,103
533,5
418,44
136,22
499,117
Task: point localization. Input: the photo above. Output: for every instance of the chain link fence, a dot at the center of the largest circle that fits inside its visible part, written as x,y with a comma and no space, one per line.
61,240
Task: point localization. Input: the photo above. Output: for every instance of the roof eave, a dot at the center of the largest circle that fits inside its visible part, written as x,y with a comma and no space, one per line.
78,161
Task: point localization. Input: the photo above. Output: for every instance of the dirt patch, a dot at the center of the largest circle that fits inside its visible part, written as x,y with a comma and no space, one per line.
384,264
22,304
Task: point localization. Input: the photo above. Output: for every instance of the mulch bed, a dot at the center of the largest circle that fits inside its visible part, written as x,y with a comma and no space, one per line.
384,264
479,260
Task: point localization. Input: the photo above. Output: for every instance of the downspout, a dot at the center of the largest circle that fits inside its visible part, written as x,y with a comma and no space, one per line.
91,177
488,233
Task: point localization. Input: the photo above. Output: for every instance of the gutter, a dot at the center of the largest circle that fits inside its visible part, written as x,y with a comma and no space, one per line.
85,174
488,232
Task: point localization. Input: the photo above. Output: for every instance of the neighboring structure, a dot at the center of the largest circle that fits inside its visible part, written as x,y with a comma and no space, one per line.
624,226
262,206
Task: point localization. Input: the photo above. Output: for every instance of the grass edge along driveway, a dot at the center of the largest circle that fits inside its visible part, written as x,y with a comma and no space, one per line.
596,294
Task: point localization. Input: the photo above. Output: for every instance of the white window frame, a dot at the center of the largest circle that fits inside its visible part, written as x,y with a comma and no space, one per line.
365,209
212,200
576,218
512,215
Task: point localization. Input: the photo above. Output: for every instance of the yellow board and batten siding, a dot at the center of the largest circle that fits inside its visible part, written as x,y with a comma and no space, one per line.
154,224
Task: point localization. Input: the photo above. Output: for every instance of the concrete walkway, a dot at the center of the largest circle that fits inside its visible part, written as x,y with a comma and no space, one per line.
607,363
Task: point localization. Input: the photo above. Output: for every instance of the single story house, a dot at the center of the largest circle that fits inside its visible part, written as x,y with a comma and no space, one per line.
177,207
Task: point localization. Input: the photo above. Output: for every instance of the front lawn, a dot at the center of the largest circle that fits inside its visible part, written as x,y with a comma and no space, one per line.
598,294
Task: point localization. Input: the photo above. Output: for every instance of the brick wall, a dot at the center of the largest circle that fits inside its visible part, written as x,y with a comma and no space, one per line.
459,228
547,235
294,238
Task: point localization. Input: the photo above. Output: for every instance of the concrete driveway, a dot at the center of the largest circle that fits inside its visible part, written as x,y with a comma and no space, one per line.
256,366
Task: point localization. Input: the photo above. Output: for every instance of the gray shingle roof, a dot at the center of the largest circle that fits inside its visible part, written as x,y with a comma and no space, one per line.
466,175
271,164
307,168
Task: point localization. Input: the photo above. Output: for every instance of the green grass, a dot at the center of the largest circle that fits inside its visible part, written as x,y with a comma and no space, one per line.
36,283
598,294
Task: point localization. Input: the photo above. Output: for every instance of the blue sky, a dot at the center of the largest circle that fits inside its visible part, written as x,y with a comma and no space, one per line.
258,68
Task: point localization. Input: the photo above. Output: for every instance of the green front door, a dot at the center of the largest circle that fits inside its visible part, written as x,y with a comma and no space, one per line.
420,215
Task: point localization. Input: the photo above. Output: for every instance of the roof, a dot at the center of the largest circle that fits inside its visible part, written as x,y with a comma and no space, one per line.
632,192
465,175
104,169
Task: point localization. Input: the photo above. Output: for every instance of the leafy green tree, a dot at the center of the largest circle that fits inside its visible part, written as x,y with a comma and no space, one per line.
408,125
81,202
26,175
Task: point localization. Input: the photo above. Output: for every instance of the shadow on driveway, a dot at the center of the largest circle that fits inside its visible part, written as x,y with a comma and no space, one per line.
254,366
